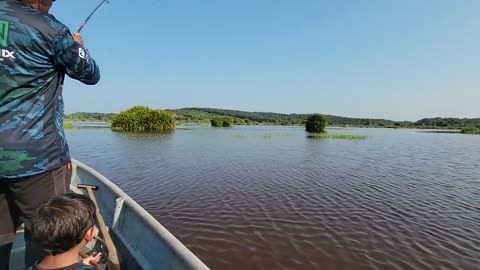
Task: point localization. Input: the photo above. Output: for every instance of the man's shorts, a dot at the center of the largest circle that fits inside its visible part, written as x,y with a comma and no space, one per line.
20,198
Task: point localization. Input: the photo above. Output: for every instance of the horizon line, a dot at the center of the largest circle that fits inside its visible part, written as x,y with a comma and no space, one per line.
295,114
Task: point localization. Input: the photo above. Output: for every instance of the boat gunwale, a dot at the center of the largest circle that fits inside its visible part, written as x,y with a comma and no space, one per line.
177,247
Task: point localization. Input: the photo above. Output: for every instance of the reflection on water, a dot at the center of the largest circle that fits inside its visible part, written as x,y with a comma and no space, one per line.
398,200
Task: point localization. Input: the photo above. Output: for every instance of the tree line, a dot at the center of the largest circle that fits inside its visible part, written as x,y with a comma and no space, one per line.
90,117
205,115
333,120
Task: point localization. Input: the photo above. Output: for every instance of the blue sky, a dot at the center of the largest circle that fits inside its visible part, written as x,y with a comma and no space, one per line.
401,60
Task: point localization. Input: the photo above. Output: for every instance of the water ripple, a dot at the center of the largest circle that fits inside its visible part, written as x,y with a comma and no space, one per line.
398,200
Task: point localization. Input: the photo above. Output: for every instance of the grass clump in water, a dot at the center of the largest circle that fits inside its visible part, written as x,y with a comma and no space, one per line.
238,136
337,136
277,134
68,125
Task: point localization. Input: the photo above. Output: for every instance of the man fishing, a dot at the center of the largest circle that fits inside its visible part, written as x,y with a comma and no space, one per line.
36,51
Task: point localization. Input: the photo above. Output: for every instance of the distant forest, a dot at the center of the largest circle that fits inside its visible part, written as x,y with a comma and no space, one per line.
89,117
204,116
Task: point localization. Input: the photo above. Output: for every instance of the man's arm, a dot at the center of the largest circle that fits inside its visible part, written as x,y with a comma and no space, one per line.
70,56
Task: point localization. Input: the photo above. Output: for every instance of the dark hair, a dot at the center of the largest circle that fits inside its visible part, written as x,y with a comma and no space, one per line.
62,222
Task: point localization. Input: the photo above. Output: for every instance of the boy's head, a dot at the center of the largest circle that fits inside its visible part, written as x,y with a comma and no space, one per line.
63,223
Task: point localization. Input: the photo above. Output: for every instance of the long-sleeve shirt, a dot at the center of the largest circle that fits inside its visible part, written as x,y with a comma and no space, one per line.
36,51
77,266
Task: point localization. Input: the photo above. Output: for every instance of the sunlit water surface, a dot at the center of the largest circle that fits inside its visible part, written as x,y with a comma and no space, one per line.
269,198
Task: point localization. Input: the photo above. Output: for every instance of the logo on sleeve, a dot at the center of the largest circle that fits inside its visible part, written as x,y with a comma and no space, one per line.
4,53
83,54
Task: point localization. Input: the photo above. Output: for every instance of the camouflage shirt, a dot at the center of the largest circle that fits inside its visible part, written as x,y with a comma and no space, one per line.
36,51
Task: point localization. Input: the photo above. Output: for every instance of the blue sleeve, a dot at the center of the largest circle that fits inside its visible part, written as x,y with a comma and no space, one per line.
74,59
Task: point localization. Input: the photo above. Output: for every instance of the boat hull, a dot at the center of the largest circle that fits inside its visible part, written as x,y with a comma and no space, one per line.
141,241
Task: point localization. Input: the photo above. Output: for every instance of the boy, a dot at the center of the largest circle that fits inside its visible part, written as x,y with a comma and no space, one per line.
62,227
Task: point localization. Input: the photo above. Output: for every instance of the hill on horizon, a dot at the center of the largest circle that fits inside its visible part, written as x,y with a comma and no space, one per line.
199,115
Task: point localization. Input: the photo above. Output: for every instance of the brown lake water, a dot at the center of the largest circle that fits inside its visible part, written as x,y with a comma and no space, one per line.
269,198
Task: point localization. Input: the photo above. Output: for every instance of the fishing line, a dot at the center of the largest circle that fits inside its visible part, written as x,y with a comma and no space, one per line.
91,14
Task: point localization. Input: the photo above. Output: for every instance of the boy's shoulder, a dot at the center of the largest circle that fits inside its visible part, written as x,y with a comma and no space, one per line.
77,266
81,266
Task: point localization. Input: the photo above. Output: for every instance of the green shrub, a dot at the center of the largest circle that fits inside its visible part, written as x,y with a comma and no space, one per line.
68,125
222,121
470,130
316,123
142,118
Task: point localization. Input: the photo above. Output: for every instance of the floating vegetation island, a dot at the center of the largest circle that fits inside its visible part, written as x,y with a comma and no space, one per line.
143,119
222,121
316,126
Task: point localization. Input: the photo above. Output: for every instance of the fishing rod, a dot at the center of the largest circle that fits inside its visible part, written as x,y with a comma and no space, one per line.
91,14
